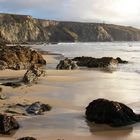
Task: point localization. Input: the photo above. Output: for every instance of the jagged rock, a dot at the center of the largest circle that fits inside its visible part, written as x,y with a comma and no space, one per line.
38,108
19,57
95,62
67,64
109,112
27,138
121,61
33,73
7,124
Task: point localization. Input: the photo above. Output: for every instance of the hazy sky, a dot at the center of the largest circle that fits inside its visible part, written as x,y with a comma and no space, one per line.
125,12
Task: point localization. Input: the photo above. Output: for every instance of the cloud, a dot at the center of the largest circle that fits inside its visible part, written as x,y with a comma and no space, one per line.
111,11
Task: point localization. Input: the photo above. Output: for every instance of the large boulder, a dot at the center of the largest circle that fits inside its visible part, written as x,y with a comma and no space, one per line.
67,64
19,57
33,73
7,124
103,111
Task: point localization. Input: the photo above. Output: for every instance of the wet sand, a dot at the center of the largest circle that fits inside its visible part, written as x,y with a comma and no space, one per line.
69,92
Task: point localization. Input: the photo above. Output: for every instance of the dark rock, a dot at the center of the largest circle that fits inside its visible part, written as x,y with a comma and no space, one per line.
67,64
38,108
7,124
121,61
27,138
109,112
33,73
98,62
0,89
19,57
12,84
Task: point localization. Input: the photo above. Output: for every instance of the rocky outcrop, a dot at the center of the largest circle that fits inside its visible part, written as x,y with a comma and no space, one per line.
18,57
91,62
103,111
33,73
24,29
67,64
7,124
107,63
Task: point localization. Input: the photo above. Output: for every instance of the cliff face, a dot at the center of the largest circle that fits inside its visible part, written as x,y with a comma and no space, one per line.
20,29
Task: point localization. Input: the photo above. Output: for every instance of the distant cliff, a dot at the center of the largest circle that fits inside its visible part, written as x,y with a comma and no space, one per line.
21,29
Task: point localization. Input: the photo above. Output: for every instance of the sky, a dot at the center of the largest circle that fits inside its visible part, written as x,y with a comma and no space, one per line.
124,12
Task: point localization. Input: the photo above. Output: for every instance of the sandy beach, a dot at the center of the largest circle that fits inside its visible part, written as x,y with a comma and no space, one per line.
69,92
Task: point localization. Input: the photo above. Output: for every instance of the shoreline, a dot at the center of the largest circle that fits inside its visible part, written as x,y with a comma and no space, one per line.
62,90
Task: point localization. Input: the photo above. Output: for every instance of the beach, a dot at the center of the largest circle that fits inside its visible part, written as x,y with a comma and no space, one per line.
69,92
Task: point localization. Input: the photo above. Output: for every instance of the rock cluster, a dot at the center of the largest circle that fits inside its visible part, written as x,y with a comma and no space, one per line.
67,64
18,57
33,73
38,108
103,111
7,124
103,62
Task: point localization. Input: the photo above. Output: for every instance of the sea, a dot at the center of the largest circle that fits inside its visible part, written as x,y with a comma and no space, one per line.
129,51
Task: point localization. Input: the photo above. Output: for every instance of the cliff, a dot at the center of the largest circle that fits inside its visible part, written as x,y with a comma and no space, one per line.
22,28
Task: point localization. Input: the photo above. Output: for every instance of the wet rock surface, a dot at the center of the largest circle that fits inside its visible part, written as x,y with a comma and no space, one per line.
67,64
33,73
38,108
7,124
19,57
12,84
121,61
115,114
27,138
103,62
